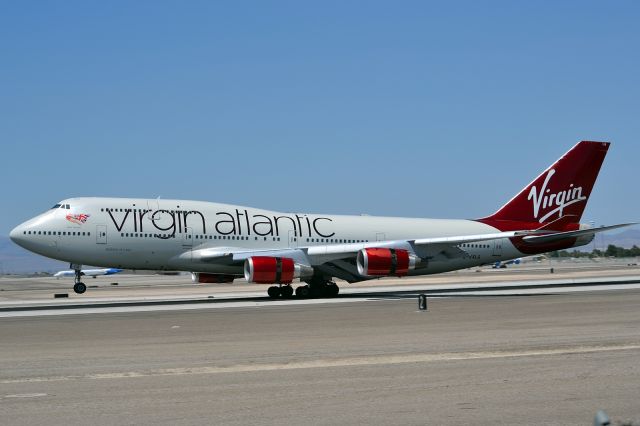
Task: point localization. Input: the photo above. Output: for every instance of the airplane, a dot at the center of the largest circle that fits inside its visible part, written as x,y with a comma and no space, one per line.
502,265
88,272
222,242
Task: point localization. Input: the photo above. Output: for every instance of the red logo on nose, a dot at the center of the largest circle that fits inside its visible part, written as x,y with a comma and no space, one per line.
77,218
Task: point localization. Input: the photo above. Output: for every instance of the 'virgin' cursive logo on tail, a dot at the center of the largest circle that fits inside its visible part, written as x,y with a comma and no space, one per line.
544,199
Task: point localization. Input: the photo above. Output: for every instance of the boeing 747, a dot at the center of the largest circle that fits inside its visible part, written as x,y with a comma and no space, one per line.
221,242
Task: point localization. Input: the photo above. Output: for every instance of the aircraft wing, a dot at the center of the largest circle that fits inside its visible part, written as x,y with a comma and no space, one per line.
423,246
339,260
338,251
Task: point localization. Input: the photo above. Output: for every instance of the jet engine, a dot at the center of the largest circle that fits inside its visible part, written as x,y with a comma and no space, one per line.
201,277
274,270
384,262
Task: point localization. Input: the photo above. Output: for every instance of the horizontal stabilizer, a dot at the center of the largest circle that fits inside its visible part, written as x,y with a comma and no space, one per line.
557,236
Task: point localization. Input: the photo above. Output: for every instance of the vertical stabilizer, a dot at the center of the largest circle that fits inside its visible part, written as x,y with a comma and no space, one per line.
560,191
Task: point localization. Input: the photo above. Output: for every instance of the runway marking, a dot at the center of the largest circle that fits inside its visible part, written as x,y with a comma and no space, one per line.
25,395
332,363
179,307
369,297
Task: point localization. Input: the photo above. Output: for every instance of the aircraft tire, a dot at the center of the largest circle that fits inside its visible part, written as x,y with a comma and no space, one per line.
332,290
79,288
286,291
274,292
303,292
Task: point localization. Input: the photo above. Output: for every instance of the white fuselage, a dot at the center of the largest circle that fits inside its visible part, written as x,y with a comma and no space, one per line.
161,234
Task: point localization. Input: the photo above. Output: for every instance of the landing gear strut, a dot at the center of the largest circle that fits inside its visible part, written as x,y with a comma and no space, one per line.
79,286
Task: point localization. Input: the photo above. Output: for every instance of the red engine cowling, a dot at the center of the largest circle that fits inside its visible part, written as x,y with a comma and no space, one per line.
269,270
204,278
383,262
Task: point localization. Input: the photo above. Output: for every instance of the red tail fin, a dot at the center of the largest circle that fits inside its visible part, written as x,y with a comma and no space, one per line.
561,190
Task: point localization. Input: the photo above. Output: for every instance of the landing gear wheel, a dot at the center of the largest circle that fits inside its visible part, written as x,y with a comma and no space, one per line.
286,291
79,288
274,292
303,291
332,290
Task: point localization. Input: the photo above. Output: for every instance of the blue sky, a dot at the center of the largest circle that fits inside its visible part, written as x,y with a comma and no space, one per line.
392,108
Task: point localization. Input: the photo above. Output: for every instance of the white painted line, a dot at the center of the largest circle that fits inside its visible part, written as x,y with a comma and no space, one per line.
25,395
334,363
344,289
176,307
227,300
550,290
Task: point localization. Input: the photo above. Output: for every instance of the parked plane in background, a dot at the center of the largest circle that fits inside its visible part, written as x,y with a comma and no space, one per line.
503,265
220,242
88,272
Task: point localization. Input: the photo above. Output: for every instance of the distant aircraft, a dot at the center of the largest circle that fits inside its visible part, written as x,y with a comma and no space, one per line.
219,242
88,272
503,265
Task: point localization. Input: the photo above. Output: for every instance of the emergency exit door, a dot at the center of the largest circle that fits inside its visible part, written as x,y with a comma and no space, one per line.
101,234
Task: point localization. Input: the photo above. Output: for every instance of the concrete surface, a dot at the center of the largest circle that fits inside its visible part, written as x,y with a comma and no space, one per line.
549,359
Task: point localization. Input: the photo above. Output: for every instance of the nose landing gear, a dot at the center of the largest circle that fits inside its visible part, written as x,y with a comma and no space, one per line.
79,287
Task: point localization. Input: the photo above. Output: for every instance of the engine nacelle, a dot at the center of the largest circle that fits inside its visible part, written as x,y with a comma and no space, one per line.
205,278
385,262
274,270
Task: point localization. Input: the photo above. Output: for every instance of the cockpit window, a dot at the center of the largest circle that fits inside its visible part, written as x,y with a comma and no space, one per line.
57,206
66,206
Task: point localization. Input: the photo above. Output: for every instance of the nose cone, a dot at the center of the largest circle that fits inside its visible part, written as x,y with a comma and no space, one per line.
17,235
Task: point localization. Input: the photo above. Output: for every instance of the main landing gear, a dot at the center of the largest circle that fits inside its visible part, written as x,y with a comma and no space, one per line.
284,291
79,287
314,289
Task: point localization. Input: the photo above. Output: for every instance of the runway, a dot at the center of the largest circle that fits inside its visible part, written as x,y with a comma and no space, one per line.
536,358
144,293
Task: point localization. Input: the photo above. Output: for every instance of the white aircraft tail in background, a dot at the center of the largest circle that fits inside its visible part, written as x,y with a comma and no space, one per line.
87,272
